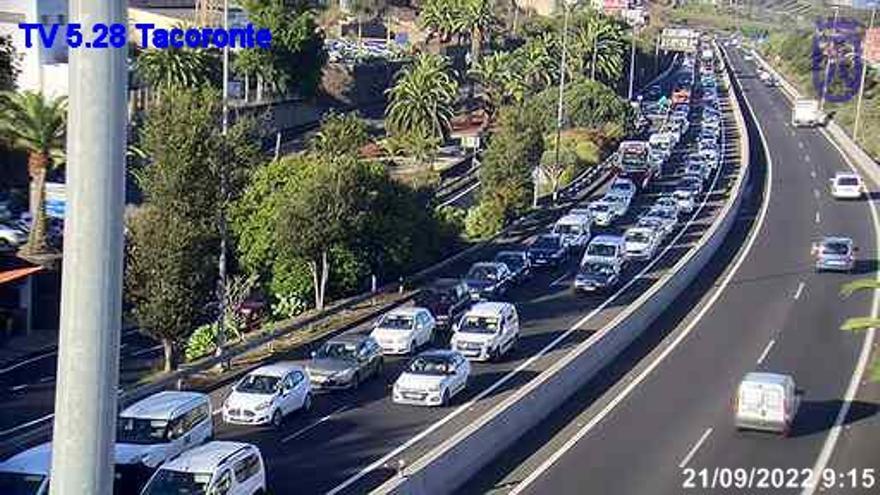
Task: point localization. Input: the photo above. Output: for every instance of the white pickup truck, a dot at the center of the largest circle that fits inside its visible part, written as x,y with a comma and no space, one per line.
806,113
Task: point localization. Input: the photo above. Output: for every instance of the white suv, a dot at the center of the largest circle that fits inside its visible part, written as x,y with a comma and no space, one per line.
230,468
267,394
486,331
846,186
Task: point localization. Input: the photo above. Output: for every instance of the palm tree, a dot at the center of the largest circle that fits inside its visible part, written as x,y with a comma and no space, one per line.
423,97
477,19
599,44
176,67
439,18
33,123
861,323
494,73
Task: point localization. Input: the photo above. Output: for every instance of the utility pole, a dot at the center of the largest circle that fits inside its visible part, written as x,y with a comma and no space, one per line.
857,122
826,82
91,289
559,113
224,186
632,64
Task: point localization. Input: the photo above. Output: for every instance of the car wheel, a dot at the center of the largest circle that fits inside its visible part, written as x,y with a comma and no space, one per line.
444,401
277,419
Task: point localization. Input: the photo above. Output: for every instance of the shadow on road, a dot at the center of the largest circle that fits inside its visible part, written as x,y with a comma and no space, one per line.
818,416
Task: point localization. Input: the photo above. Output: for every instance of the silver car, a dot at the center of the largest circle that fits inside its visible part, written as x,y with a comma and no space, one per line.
835,253
344,362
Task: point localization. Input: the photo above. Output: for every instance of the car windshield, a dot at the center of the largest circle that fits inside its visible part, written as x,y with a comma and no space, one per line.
599,207
622,187
168,482
481,272
20,483
546,243
140,431
428,297
562,228
601,250
258,384
396,322
597,268
662,213
513,261
430,365
478,324
337,350
847,181
638,236
837,248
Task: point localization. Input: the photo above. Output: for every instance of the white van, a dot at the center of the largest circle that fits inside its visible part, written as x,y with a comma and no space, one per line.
228,468
574,230
606,249
766,401
486,331
155,429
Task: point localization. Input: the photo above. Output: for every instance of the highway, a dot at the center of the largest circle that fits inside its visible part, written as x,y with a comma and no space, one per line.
353,441
667,407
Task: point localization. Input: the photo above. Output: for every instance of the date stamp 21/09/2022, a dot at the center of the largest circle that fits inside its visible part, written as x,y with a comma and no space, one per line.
74,35
757,478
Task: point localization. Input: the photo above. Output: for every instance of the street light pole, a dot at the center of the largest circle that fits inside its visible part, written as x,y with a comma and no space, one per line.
825,83
632,64
84,428
224,234
559,112
857,122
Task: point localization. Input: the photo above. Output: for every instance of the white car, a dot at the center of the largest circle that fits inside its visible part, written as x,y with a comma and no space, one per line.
641,242
619,202
230,468
668,201
622,185
432,378
766,401
685,200
267,394
486,331
404,330
603,212
847,186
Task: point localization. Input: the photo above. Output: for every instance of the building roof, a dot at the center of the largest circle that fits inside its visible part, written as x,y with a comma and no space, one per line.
205,458
162,405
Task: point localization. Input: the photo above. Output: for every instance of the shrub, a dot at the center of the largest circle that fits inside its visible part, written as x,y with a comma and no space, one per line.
202,342
484,220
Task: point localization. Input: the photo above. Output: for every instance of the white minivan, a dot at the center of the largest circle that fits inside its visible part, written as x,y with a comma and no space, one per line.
155,429
228,468
766,401
606,249
486,331
574,230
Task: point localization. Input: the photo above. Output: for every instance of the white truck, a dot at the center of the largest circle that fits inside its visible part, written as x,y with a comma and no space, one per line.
806,113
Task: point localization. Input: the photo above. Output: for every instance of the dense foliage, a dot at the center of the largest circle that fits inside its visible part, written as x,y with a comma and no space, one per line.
9,64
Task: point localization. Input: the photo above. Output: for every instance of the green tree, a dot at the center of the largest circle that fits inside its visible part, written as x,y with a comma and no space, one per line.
422,99
439,18
366,11
340,133
495,73
36,124
177,67
9,60
476,18
599,46
296,57
862,323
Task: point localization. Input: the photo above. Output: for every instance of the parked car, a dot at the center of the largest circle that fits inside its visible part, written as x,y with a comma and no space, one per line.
517,262
486,331
548,250
446,299
596,276
642,242
345,361
404,330
155,429
835,253
219,467
846,185
766,401
488,280
267,394
432,379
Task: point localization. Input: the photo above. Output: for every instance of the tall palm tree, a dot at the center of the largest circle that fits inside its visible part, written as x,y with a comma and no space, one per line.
494,73
176,67
423,97
439,18
599,46
36,124
476,18
862,323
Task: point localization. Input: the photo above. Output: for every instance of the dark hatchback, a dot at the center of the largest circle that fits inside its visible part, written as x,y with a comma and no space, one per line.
548,250
446,299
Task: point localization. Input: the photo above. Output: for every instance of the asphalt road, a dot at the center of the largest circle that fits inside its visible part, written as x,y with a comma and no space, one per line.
670,410
352,441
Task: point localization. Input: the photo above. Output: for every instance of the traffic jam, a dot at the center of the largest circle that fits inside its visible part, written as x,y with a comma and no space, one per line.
165,442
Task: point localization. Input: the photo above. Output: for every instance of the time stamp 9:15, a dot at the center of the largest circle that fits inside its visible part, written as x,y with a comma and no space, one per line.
100,35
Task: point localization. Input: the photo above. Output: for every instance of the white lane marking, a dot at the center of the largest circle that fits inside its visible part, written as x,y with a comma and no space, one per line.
813,174
799,291
766,351
687,458
460,194
816,193
807,158
27,361
26,425
818,218
531,360
47,379
559,280
801,144
864,355
147,350
313,425
19,387
768,184
123,346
